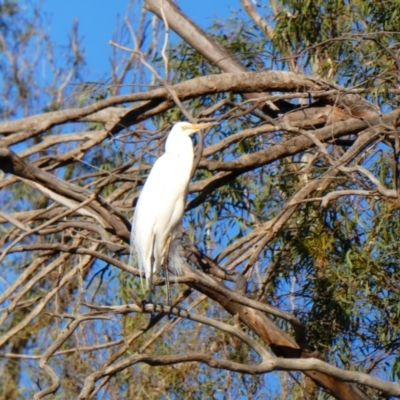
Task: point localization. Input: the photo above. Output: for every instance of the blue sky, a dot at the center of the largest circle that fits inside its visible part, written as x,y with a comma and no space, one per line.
98,18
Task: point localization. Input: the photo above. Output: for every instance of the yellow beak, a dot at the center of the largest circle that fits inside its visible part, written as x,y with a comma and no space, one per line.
197,127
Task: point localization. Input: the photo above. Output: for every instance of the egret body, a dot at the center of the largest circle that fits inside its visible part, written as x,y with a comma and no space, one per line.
161,204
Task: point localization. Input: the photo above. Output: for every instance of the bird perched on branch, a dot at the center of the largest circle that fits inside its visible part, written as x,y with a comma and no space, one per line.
161,204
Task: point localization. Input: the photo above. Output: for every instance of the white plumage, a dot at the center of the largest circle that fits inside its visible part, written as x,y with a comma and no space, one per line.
161,204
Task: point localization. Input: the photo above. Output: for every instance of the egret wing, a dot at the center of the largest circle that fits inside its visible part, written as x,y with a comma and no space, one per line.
160,207
166,183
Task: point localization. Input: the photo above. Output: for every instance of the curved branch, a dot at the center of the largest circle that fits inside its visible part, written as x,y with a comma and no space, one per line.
275,364
65,192
301,143
217,324
118,119
43,362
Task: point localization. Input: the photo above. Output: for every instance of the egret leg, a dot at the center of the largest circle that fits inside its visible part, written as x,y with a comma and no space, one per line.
151,286
168,287
169,302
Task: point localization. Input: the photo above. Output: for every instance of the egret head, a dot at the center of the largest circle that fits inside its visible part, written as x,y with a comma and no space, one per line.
180,133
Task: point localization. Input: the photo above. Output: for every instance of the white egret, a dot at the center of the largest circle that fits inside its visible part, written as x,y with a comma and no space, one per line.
161,204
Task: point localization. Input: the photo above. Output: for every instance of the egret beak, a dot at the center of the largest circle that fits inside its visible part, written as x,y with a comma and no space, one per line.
204,126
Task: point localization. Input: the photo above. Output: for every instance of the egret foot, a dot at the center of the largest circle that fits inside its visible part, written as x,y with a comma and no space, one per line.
145,302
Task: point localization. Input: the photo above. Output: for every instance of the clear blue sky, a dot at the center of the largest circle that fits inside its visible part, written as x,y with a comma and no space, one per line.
97,21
